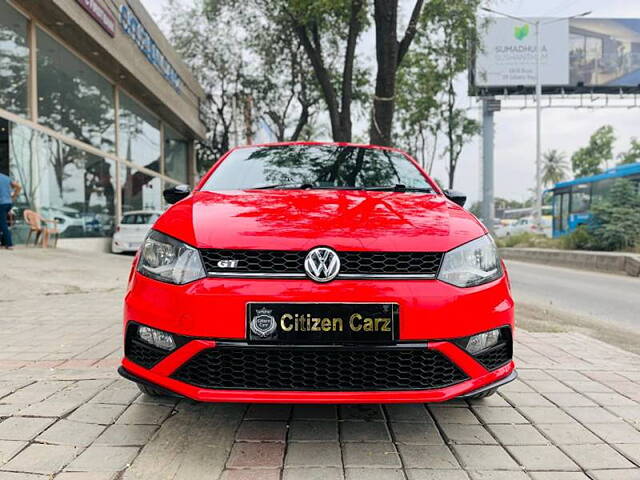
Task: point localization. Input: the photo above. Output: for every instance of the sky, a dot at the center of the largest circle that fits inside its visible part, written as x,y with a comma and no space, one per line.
563,129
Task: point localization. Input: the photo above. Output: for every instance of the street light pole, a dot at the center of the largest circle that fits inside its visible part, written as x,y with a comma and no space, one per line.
538,204
537,23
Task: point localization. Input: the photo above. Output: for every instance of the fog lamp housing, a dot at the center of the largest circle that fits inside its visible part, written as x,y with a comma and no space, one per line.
157,338
482,341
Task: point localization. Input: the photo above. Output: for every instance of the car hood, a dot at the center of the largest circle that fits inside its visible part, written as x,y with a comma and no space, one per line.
302,219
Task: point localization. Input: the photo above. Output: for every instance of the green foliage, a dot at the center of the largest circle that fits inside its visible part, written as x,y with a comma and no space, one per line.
632,155
554,168
526,240
429,122
579,239
616,220
589,160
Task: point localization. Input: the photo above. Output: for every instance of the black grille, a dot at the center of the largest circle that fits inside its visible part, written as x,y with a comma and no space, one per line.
496,357
139,352
271,368
352,263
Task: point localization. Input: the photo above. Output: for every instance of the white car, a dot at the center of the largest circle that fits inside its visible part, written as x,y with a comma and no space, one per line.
527,224
132,229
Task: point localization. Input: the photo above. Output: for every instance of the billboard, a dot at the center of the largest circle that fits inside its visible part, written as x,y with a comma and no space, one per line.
579,55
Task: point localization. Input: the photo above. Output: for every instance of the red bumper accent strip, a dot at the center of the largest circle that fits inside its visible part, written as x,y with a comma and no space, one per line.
169,364
461,358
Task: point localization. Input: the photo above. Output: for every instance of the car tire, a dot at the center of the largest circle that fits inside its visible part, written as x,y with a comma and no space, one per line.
485,394
152,392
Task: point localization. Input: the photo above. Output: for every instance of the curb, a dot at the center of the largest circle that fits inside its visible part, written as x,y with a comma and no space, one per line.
620,263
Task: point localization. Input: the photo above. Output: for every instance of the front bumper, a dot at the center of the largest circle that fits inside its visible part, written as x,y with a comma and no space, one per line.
214,318
168,374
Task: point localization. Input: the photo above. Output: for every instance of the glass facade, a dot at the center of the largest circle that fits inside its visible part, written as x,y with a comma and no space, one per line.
139,190
62,182
89,172
72,97
14,60
176,151
139,134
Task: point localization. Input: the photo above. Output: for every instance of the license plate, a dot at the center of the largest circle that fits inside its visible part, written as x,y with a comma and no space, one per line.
322,323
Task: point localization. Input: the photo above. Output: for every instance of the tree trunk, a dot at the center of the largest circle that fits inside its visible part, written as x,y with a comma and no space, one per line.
386,18
389,55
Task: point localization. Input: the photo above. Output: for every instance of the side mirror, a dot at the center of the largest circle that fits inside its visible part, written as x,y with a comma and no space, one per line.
177,193
456,197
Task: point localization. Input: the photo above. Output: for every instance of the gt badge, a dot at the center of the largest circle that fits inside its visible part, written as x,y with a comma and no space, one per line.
263,323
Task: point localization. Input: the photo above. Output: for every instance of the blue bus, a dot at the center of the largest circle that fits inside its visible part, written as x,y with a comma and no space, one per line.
572,200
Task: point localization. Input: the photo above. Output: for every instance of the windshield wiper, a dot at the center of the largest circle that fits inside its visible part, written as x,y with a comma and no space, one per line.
287,186
399,188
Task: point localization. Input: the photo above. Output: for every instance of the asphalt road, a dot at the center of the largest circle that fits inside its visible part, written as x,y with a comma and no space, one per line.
602,296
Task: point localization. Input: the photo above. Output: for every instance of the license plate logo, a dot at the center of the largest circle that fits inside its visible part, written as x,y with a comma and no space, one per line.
322,323
263,324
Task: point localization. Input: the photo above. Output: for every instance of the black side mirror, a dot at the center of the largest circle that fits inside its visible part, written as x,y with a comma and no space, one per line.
177,193
456,197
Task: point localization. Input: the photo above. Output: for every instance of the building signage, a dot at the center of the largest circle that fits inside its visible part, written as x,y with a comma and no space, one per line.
508,55
134,28
100,14
597,54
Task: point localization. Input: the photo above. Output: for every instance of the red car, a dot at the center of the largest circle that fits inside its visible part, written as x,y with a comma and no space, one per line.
318,273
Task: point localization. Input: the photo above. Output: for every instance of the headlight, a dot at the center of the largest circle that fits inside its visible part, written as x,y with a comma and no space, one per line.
471,264
169,260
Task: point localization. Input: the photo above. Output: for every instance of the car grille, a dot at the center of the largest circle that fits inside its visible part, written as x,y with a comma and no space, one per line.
319,369
282,262
495,357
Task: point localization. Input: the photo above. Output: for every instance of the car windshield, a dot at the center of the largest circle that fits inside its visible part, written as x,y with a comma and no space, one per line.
315,166
139,218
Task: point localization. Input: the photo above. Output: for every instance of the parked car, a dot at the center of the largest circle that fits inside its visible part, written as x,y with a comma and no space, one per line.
132,229
527,224
318,273
70,220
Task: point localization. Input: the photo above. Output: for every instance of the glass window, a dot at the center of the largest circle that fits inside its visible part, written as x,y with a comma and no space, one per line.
22,142
601,189
72,97
326,166
139,135
77,189
580,198
14,60
557,211
175,155
139,190
564,223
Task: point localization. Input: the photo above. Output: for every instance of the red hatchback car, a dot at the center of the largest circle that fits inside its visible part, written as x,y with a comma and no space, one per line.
318,273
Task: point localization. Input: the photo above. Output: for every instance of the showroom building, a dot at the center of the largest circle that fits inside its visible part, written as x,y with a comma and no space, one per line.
98,113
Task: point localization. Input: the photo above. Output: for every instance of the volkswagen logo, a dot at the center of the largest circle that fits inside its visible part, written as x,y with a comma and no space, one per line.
322,264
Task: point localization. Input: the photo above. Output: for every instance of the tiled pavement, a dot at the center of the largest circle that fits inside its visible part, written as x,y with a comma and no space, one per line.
573,414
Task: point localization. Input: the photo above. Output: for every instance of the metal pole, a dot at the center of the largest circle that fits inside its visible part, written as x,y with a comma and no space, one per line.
487,210
538,203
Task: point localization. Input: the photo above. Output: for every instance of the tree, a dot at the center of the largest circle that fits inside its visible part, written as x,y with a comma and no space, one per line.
339,23
459,129
632,155
428,114
616,220
390,53
417,120
554,167
250,66
589,160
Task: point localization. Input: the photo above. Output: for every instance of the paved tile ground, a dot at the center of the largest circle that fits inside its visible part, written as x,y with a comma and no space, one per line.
574,414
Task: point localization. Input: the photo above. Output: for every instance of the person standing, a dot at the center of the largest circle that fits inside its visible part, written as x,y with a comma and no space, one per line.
9,191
